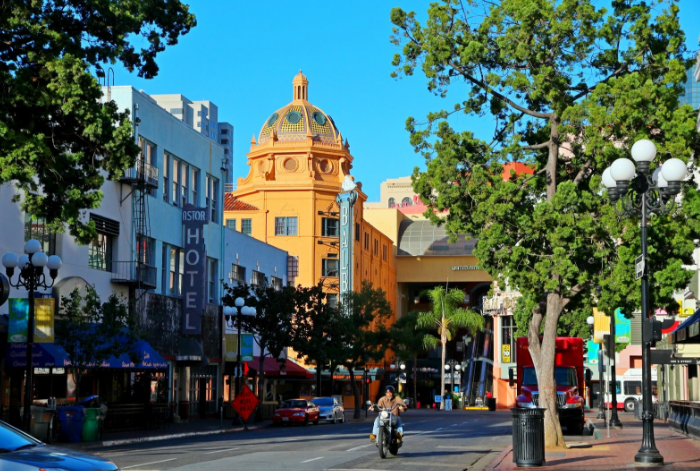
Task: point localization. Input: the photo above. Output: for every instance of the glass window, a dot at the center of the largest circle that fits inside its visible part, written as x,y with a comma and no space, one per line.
330,267
100,252
406,201
357,232
258,278
212,278
184,177
385,253
175,175
172,264
332,300
231,224
247,226
366,241
180,270
166,173
633,387
376,247
37,229
392,202
276,282
331,227
214,198
146,250
237,273
286,226
195,186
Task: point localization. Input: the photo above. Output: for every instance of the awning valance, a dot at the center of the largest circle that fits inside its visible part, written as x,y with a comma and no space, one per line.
274,369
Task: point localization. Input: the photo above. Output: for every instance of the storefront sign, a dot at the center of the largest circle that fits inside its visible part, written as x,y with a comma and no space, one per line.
684,311
44,309
18,317
195,277
346,201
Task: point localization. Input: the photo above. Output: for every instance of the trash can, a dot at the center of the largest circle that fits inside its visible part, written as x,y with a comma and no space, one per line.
637,409
91,424
71,419
491,404
528,437
42,418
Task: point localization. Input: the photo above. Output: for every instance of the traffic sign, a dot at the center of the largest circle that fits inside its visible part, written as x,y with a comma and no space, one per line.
639,266
245,403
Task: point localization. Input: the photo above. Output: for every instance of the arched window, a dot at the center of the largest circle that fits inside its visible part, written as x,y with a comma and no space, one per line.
406,201
392,202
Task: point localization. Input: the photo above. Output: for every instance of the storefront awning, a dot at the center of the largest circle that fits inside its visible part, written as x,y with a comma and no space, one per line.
51,355
688,330
273,369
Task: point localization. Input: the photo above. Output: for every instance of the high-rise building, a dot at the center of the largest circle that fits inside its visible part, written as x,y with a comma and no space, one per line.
691,88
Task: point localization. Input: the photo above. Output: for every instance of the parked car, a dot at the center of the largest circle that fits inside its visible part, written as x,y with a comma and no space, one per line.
22,452
296,411
330,409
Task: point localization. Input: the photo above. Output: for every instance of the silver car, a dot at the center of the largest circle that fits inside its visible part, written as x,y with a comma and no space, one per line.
22,452
330,409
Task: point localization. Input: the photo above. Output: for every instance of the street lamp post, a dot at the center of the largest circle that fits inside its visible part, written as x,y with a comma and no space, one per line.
240,310
641,196
32,277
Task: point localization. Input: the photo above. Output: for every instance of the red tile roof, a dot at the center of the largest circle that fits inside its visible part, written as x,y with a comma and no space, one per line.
234,204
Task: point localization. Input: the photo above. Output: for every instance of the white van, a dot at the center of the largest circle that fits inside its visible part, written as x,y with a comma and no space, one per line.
629,388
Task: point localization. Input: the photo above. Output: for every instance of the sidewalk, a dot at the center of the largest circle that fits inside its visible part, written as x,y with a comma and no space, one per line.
183,430
617,452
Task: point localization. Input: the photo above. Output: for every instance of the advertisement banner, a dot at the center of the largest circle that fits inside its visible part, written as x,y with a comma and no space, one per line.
44,309
194,281
18,318
593,350
247,342
623,327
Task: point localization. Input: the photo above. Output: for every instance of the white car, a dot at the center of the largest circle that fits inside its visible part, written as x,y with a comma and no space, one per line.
329,409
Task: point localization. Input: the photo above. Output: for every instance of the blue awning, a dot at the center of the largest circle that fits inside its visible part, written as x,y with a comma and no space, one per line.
688,329
51,355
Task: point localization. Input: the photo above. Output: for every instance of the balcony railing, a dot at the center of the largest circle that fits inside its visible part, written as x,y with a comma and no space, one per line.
134,273
142,172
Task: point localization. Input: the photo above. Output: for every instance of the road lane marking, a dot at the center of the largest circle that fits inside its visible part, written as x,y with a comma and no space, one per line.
360,447
454,425
146,464
220,451
438,429
313,459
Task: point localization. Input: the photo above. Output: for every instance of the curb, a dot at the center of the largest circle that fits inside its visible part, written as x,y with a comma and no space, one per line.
497,461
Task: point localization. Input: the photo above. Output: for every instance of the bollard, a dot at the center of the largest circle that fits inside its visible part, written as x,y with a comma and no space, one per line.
528,436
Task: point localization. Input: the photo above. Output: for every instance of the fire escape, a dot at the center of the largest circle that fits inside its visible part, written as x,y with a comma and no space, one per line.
140,272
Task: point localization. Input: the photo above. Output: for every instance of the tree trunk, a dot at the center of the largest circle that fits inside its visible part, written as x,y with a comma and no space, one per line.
543,359
260,389
355,391
319,366
333,367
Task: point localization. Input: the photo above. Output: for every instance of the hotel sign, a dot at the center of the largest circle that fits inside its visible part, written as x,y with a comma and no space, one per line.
346,200
194,280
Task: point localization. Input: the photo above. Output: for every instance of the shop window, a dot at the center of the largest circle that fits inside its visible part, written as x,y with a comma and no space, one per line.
507,339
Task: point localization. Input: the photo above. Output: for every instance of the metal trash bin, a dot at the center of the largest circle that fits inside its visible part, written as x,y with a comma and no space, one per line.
528,437
637,409
40,424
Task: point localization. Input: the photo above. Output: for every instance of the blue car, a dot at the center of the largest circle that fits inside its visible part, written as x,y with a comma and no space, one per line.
22,452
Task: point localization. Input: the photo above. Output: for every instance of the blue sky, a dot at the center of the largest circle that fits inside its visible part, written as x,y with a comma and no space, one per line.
243,56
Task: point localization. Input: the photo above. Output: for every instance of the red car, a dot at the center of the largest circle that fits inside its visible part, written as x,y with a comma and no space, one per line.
298,411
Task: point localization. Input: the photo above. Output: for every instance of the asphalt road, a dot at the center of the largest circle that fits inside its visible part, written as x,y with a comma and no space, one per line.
434,440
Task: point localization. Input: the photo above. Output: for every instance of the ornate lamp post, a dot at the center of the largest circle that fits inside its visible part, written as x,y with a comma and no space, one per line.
240,310
643,195
31,277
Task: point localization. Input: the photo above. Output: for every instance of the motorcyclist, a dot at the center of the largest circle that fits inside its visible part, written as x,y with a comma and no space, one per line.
387,402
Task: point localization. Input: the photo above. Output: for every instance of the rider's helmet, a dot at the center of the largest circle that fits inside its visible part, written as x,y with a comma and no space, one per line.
390,388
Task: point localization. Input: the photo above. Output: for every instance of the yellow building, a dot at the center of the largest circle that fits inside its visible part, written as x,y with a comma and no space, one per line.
297,166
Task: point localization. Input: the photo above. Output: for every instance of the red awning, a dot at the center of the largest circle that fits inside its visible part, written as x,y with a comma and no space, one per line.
272,369
672,328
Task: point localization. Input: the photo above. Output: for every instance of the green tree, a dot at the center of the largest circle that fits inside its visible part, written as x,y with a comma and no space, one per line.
446,317
315,322
92,331
271,324
570,87
58,139
361,332
408,342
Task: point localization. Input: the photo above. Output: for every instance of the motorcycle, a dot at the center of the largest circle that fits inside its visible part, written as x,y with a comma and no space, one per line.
386,434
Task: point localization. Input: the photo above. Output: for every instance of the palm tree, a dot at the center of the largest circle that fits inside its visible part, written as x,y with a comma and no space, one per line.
447,316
